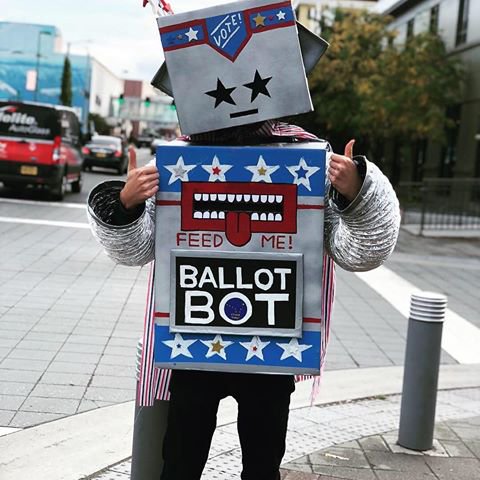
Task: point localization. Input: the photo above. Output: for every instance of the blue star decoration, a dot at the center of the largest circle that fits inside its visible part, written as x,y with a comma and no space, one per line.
302,172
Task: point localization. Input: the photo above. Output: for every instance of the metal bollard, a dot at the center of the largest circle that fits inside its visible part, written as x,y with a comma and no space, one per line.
420,377
149,428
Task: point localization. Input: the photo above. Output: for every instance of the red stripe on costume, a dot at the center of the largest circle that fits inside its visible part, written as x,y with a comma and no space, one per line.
310,207
311,320
162,315
168,203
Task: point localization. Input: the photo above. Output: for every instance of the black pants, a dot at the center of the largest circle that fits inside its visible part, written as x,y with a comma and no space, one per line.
263,402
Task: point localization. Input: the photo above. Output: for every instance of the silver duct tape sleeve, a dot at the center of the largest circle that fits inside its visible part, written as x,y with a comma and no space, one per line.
131,244
363,235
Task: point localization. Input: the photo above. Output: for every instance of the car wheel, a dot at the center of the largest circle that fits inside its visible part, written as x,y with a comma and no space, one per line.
59,190
77,185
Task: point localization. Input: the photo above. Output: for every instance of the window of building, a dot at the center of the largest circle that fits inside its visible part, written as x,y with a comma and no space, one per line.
434,13
410,28
462,23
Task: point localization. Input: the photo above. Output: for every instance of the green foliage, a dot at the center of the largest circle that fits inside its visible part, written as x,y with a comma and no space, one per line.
101,125
365,88
66,93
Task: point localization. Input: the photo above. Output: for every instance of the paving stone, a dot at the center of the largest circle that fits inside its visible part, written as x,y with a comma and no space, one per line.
69,367
344,472
345,457
467,433
390,475
374,443
28,354
11,402
292,475
117,370
11,375
398,462
127,383
39,345
454,468
58,391
115,395
59,378
6,416
456,449
50,405
27,419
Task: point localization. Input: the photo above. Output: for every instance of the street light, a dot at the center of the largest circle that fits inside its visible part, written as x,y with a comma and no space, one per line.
37,68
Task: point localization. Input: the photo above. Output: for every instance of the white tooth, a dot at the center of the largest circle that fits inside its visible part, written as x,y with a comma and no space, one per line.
214,215
247,198
231,197
205,197
198,196
255,198
206,214
271,198
271,217
254,216
278,217
197,215
263,198
221,215
263,217
238,197
222,197
279,198
213,197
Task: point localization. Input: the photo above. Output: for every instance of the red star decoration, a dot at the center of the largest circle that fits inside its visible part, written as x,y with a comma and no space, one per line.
216,170
254,349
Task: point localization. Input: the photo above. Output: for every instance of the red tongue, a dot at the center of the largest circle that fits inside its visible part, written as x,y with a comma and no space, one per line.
238,228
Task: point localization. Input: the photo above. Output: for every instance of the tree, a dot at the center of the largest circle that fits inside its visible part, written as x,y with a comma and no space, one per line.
367,88
101,125
66,92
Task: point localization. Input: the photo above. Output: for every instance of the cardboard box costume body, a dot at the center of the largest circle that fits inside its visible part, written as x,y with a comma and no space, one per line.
239,269
358,236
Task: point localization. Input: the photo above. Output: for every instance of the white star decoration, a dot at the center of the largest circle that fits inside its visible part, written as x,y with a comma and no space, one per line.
261,171
179,171
179,346
192,34
216,170
254,348
281,15
217,346
302,173
293,349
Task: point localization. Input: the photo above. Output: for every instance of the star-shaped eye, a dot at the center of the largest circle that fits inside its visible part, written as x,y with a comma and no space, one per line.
258,86
222,94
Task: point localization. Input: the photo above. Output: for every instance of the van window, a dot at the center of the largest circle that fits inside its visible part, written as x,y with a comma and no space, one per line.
28,121
70,127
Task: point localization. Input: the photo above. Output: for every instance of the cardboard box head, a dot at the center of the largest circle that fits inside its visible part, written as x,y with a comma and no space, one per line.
235,64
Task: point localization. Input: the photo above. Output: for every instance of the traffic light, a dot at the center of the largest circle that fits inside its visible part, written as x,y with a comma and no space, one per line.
147,102
121,99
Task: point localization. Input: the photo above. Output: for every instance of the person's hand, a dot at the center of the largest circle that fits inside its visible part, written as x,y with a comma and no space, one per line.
141,183
343,173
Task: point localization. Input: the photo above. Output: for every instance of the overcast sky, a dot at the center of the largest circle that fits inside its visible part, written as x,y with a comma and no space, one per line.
122,34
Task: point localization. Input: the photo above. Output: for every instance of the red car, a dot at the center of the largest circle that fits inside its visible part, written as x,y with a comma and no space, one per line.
40,145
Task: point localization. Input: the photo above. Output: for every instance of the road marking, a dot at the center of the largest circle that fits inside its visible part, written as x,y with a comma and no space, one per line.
43,204
48,223
460,338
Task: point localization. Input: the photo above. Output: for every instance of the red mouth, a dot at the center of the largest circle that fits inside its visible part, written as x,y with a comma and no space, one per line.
239,209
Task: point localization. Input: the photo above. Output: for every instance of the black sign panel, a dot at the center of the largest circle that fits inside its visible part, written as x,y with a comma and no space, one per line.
225,292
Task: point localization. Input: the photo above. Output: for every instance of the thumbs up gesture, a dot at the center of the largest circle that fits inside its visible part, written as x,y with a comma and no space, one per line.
343,173
141,183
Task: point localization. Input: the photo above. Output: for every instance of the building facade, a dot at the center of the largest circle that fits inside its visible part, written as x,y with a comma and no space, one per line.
458,23
31,66
312,13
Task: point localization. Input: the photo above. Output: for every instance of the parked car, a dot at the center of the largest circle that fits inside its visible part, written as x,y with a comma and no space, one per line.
106,151
144,139
156,143
40,145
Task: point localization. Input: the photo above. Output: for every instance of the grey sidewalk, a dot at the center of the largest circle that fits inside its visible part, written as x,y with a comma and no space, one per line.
357,441
70,318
